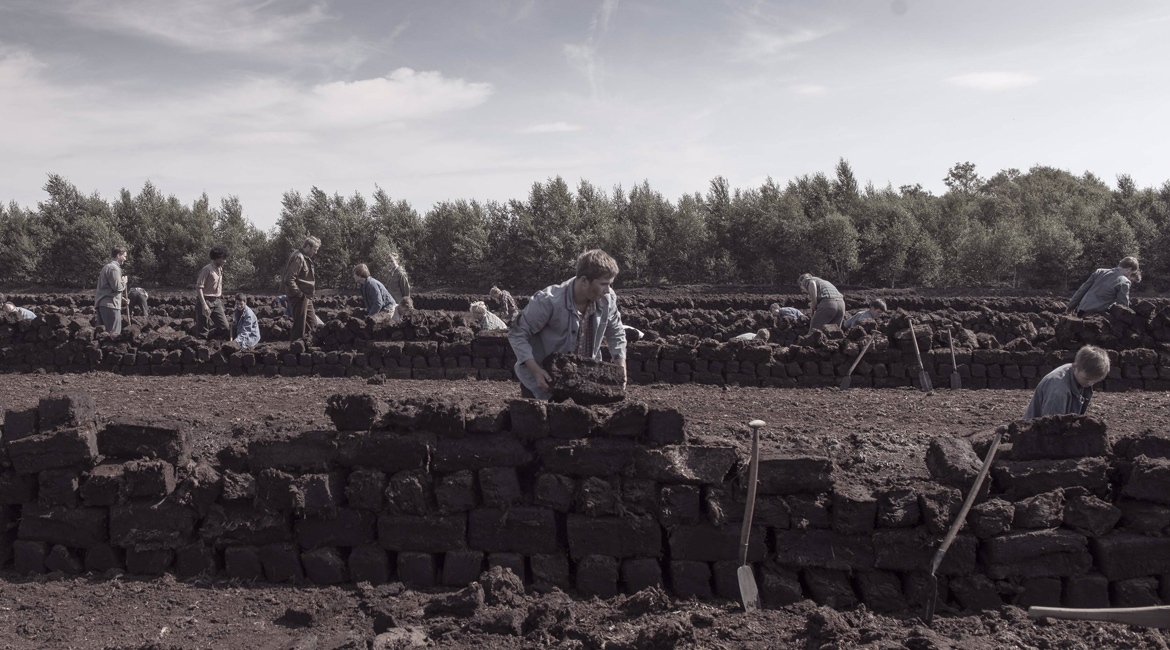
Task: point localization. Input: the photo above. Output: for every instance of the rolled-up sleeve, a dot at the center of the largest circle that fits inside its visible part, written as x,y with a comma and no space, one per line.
615,334
532,320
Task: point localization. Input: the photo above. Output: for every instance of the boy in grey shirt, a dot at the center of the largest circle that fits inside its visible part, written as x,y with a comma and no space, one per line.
1105,287
1068,389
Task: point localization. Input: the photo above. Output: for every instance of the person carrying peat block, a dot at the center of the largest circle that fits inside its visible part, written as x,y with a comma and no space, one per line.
110,286
300,281
1068,389
826,304
572,318
1106,287
374,294
209,297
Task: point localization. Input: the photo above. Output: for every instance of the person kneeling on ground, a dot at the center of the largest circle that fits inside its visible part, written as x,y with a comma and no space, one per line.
1106,287
247,328
761,335
508,306
1068,389
139,298
825,302
787,312
572,318
486,320
877,308
377,299
21,312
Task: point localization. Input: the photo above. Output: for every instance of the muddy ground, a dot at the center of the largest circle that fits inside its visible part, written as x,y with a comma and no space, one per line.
876,438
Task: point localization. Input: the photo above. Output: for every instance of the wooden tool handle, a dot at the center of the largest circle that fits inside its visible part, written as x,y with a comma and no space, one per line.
914,337
951,340
942,550
1144,616
859,355
745,534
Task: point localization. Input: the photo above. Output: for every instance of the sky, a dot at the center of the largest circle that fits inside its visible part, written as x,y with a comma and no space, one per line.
434,100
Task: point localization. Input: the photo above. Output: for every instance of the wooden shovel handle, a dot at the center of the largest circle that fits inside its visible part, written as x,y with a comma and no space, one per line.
914,337
951,340
745,534
942,550
859,355
1144,616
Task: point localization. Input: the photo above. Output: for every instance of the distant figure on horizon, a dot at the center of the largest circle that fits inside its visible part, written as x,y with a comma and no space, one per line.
1105,288
826,304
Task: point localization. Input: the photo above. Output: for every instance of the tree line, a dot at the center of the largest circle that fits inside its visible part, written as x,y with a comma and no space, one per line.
1044,228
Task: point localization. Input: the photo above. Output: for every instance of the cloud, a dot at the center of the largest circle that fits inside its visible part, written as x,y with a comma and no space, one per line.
251,27
762,32
758,43
812,90
583,56
993,81
551,127
401,95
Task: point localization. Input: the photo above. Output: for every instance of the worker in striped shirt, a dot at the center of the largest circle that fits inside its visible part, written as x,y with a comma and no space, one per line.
825,302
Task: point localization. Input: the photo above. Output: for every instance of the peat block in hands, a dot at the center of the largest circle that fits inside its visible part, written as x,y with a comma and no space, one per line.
584,380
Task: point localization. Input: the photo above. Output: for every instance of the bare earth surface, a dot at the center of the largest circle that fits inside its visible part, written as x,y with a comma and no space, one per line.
875,437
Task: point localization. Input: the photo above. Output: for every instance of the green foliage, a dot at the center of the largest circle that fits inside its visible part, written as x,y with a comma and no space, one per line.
1042,228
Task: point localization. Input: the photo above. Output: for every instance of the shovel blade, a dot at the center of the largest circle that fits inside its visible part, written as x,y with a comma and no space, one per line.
931,601
845,381
748,592
924,382
956,381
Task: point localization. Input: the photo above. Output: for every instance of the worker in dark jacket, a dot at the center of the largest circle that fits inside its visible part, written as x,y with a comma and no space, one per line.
300,280
377,299
1105,288
1068,389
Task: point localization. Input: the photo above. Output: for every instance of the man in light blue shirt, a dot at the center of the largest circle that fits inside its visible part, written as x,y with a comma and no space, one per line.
374,293
21,312
247,327
1106,287
787,312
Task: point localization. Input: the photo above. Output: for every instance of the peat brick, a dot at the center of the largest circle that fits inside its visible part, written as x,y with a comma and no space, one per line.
416,569
597,575
691,579
1149,480
1091,516
786,474
325,566
1019,479
1041,592
976,593
275,490
21,424
500,487
991,518
410,492
1059,436
1036,554
779,587
809,510
16,488
28,556
913,549
619,537
529,419
854,511
57,487
435,533
1088,591
366,488
640,573
525,530
1143,516
104,557
322,492
149,562
830,587
347,527
678,505
584,380
726,577
244,525
64,448
385,451
951,461
305,451
551,570
628,420
940,505
461,568
281,562
479,452
897,508
1041,511
369,563
66,410
882,591
151,525
569,421
456,492
554,491
150,479
705,543
242,562
691,464
1122,555
71,527
587,457
63,560
192,560
129,440
354,411
825,549
666,427
1135,592
597,497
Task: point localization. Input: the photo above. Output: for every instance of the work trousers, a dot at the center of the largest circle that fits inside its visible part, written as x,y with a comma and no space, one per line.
111,318
829,311
302,314
214,322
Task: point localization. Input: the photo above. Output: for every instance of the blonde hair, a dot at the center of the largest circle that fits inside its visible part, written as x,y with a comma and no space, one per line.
764,334
479,306
596,263
362,271
1093,362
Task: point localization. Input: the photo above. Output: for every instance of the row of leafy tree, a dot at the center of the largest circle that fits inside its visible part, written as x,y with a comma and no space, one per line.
1045,228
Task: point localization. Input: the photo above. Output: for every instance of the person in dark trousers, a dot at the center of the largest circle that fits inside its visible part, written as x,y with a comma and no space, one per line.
374,294
1068,389
508,308
139,298
826,304
1105,288
398,284
246,329
210,319
110,286
572,317
300,280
